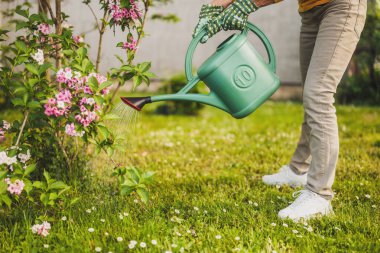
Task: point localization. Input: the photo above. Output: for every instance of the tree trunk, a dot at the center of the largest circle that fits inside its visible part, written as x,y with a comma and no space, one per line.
58,30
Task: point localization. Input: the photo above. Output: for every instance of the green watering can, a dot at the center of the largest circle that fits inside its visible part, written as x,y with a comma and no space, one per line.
238,78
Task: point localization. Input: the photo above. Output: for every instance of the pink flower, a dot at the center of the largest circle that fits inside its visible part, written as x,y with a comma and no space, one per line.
16,187
70,130
106,91
83,101
86,117
5,159
64,75
44,28
52,101
78,39
87,90
64,96
130,45
118,13
41,229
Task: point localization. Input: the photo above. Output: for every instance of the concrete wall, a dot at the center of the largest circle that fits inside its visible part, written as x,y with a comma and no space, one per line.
166,43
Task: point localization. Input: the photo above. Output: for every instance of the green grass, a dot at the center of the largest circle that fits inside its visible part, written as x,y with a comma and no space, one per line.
215,163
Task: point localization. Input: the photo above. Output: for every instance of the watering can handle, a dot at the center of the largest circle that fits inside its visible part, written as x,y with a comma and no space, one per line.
250,27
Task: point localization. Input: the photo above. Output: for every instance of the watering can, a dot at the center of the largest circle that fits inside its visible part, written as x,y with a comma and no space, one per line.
237,76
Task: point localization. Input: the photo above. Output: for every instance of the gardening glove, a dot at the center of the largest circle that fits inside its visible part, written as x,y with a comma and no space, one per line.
207,13
234,17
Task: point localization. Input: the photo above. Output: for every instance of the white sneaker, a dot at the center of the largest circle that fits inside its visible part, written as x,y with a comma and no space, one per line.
306,206
285,177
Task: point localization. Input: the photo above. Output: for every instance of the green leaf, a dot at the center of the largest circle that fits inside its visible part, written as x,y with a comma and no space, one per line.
29,169
73,201
44,67
110,151
47,176
6,200
25,98
17,101
99,99
3,187
105,85
44,198
32,68
58,185
32,82
53,196
143,193
128,182
67,188
34,104
126,190
104,131
19,90
39,185
28,186
149,74
20,45
134,175
137,80
147,177
85,64
21,12
20,25
35,17
68,52
145,66
93,83
3,174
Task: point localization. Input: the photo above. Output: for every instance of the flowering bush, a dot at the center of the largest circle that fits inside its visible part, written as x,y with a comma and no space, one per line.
63,109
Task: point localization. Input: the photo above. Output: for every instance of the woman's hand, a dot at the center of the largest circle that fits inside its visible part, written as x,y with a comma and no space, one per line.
224,3
208,12
235,17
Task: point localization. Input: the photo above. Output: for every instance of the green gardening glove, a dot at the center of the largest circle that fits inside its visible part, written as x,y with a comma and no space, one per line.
234,17
207,13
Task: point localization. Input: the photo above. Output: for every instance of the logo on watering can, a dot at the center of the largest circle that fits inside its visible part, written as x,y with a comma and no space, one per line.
244,76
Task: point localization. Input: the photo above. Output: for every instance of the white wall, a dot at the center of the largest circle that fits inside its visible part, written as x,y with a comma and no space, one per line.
166,43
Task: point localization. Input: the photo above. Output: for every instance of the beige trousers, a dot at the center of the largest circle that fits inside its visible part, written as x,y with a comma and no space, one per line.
329,35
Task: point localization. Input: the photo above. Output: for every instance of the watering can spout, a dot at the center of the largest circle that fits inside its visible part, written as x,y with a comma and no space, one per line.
136,103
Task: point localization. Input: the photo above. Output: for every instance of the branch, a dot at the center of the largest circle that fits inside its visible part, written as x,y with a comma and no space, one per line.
47,4
22,127
140,35
95,17
100,42
67,160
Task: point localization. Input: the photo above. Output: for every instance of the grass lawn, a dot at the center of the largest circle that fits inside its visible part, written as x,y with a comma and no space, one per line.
207,195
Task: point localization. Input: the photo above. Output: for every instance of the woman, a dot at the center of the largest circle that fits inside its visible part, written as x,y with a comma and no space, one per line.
330,32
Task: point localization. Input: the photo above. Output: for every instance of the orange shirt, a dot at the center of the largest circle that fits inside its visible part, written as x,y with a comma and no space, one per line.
305,5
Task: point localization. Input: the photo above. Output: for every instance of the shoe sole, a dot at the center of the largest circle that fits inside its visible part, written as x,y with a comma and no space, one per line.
282,184
327,212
